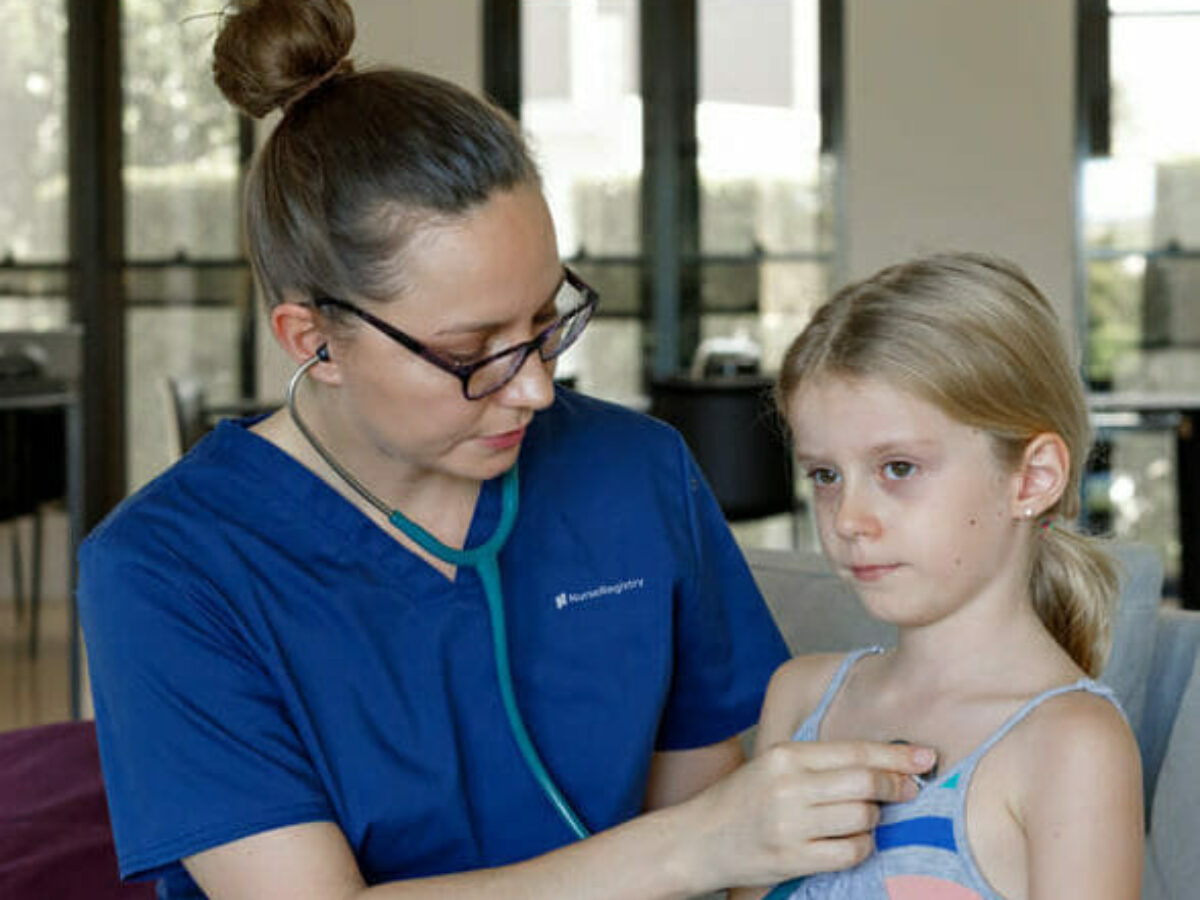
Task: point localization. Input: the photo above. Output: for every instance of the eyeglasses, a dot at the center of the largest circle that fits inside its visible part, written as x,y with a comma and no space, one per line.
488,375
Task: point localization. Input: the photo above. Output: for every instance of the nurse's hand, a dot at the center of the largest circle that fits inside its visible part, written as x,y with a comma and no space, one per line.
799,808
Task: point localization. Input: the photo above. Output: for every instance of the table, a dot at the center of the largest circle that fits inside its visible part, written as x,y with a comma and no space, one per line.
45,394
730,424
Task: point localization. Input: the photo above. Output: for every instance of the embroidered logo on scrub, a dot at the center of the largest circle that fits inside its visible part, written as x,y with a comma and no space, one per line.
569,598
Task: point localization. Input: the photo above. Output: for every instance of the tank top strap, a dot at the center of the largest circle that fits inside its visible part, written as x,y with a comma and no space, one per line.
967,766
811,726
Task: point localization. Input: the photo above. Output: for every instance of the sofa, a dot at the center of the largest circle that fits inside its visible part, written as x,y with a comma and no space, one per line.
1153,669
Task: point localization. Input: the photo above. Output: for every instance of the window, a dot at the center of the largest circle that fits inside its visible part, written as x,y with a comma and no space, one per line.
766,211
1140,229
33,166
765,196
187,288
582,109
1141,203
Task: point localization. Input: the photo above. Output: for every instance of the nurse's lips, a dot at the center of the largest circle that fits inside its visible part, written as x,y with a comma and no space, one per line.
505,441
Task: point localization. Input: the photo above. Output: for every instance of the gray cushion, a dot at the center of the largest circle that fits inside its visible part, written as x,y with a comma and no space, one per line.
827,615
1173,847
1175,648
1133,629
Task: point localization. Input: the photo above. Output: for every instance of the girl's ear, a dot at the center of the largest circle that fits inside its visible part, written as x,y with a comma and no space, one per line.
1042,476
300,331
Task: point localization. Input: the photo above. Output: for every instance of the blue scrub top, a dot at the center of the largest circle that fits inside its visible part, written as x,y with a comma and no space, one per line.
262,654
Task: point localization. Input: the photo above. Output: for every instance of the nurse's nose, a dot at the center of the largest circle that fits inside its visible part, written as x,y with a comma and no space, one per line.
533,385
855,516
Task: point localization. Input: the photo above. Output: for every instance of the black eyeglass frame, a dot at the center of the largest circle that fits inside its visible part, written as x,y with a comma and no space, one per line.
464,371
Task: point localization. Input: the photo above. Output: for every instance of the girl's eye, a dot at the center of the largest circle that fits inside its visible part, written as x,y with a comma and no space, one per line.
821,477
898,470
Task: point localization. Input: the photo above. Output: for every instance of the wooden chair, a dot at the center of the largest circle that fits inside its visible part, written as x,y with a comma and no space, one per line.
186,417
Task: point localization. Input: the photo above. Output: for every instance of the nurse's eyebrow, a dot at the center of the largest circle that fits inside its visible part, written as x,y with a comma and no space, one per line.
493,326
484,327
470,328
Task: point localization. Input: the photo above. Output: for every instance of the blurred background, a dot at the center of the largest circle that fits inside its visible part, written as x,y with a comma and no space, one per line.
715,168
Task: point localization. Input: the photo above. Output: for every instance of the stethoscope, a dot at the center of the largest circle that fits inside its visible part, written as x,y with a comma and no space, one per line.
782,890
484,559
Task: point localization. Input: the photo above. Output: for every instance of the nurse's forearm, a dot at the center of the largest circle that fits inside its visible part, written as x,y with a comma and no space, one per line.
679,775
796,808
648,858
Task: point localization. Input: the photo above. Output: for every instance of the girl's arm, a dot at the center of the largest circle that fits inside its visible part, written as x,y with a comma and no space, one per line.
794,691
797,808
1082,806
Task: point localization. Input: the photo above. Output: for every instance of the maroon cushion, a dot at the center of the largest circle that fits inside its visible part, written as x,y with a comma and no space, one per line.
55,838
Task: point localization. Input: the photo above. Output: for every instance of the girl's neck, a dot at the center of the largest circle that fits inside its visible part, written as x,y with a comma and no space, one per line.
978,650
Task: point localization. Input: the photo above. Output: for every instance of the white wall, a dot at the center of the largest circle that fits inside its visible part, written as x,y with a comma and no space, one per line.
959,135
442,37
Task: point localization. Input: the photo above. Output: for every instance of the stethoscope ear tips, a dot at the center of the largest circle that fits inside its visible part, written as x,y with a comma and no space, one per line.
323,353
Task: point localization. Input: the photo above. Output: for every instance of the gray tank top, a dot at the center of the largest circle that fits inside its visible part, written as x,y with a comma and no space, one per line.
921,848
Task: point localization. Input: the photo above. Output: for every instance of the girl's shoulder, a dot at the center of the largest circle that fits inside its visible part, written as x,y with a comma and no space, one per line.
1063,791
1062,723
793,693
807,675
1052,762
1072,734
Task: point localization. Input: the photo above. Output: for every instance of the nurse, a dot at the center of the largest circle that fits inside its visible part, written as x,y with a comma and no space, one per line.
296,698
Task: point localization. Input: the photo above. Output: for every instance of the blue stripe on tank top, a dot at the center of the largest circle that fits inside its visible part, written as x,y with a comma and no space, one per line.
926,831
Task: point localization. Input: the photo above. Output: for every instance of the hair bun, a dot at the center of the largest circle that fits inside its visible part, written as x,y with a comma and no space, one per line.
270,53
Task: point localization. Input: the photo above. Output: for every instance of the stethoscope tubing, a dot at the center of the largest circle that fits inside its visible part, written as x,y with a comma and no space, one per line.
485,560
784,889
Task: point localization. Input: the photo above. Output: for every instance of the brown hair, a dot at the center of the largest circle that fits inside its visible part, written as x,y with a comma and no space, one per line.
359,159
972,335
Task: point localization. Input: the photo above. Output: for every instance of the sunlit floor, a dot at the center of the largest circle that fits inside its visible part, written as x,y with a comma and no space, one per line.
34,690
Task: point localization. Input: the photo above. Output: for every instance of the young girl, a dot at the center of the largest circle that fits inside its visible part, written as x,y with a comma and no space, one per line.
938,417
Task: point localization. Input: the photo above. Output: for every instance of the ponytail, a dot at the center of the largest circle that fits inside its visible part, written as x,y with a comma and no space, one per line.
1074,583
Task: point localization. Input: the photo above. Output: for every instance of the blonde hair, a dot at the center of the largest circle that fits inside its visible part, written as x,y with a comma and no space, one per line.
972,335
